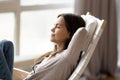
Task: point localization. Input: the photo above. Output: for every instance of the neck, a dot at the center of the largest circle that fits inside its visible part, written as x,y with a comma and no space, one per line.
59,47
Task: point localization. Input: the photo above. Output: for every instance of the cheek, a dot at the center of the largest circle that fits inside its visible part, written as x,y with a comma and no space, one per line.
62,36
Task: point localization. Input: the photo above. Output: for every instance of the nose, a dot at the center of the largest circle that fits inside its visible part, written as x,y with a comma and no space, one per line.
53,29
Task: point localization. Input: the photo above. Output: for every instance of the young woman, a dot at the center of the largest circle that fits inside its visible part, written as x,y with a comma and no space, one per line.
59,63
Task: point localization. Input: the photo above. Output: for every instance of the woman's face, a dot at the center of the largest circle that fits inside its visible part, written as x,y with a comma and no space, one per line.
60,33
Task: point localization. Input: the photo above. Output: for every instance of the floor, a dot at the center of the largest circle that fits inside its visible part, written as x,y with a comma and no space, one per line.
107,78
110,78
116,76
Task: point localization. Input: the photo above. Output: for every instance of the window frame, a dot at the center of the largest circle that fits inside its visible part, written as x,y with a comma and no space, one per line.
15,7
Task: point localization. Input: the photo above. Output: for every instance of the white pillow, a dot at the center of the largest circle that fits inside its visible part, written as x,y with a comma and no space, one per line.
90,21
91,25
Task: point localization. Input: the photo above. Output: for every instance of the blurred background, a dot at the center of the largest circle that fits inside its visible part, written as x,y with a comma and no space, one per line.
27,24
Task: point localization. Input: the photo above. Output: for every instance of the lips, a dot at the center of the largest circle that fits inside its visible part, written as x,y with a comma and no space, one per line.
52,35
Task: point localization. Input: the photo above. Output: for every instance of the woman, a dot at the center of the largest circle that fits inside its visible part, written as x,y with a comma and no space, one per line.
59,63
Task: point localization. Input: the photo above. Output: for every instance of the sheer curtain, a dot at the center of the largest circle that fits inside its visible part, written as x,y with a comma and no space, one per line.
104,60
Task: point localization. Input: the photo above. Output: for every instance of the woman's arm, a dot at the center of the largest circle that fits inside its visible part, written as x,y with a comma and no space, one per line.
77,42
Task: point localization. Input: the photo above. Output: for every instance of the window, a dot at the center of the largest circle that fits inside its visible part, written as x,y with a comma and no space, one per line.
43,2
28,22
7,22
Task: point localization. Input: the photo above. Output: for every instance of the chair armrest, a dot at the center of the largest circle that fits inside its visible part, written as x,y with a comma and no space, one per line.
19,73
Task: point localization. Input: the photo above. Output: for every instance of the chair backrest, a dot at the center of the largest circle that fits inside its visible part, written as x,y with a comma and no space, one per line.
95,27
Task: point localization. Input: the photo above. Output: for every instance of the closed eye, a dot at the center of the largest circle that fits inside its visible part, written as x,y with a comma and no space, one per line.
58,26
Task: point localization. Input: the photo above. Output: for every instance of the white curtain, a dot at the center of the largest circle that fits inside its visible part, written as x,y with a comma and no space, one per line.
104,60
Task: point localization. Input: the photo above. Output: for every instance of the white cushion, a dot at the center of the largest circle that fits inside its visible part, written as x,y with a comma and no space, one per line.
90,21
91,25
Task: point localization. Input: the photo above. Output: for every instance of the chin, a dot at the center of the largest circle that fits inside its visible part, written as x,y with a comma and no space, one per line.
53,41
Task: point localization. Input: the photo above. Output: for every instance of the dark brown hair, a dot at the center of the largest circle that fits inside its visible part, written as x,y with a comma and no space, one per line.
72,22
